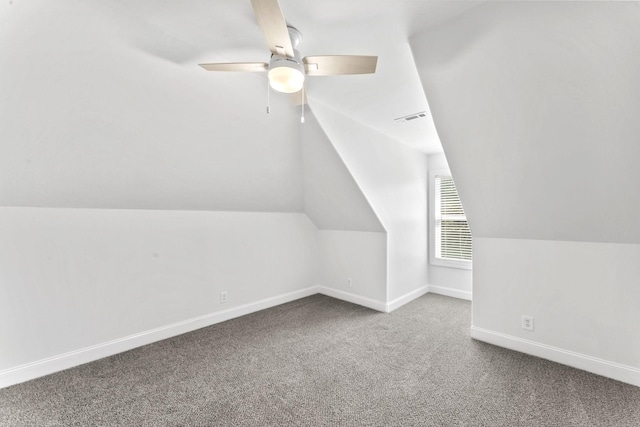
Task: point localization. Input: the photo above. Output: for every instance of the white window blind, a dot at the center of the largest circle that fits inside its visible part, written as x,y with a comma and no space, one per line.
453,237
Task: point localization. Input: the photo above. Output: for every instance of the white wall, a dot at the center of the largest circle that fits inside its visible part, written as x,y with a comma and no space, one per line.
75,278
357,255
584,296
351,239
393,177
536,105
112,124
447,280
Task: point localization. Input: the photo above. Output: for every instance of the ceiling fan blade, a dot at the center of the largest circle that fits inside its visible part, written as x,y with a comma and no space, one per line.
331,65
273,25
255,67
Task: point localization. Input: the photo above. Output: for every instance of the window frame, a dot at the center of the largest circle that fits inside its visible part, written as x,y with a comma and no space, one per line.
433,260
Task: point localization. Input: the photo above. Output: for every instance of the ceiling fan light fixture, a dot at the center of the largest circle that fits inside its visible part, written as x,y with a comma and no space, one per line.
286,74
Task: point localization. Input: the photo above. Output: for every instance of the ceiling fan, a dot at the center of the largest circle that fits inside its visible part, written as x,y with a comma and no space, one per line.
286,69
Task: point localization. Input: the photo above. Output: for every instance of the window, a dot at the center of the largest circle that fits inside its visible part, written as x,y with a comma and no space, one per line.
451,241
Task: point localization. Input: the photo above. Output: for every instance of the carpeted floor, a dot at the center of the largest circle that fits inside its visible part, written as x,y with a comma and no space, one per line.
323,362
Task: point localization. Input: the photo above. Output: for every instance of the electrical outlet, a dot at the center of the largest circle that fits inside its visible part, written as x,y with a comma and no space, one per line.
223,297
527,323
349,282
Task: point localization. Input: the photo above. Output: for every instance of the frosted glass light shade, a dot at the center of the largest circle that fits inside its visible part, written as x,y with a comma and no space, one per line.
286,79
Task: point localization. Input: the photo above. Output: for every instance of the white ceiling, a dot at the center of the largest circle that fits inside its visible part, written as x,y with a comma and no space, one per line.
197,31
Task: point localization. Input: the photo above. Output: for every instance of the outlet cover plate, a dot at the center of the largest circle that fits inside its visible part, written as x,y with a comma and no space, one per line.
527,323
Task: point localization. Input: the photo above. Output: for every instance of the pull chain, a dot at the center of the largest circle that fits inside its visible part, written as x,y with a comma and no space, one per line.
302,103
268,92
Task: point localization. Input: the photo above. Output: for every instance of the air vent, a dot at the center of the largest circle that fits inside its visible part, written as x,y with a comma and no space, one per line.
411,117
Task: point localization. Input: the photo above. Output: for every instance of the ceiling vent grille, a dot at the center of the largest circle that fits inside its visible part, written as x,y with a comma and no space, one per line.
411,117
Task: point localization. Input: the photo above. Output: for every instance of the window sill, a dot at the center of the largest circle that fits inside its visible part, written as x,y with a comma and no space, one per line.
463,265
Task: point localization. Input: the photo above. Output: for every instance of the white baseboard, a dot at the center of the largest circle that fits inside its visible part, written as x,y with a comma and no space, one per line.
70,359
616,371
353,298
371,303
406,298
396,303
450,292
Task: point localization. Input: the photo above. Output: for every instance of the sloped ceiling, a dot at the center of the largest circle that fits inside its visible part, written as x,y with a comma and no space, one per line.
332,198
91,121
537,107
103,105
